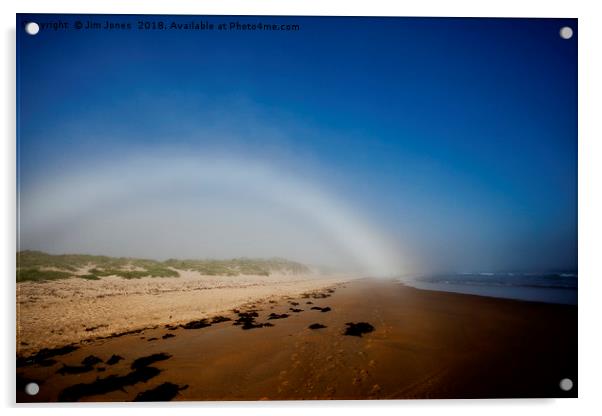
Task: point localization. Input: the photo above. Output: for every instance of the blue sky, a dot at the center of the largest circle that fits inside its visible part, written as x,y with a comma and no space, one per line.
457,137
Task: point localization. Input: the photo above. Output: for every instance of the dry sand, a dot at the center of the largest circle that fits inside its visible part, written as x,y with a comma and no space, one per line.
424,345
60,312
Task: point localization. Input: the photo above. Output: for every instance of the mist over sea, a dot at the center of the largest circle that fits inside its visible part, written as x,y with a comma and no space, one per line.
539,287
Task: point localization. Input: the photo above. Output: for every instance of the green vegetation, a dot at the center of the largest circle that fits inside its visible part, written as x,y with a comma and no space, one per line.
39,266
89,277
37,275
241,266
135,274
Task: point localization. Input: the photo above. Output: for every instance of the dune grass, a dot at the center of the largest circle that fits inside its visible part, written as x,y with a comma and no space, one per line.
38,266
37,275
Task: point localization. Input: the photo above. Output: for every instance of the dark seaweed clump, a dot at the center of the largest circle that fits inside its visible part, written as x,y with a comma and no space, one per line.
245,317
141,373
47,362
91,360
357,329
42,356
114,359
325,309
74,369
107,384
317,326
295,310
162,393
88,364
277,316
148,360
201,323
247,320
218,319
168,336
320,295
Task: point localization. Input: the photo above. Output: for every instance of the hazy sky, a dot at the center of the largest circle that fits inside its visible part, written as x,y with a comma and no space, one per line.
383,144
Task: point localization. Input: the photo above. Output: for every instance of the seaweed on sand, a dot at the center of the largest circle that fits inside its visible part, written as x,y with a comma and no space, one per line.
325,309
247,320
141,372
45,354
162,393
107,384
357,329
149,359
114,359
198,324
218,319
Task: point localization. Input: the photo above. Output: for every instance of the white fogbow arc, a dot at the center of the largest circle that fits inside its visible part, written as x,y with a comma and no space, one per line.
90,187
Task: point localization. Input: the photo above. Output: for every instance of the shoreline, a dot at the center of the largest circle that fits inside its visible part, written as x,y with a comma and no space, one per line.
488,296
548,295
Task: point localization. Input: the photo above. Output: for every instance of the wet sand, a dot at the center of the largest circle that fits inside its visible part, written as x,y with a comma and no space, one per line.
362,339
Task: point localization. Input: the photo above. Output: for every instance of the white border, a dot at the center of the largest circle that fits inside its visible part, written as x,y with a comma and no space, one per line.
590,202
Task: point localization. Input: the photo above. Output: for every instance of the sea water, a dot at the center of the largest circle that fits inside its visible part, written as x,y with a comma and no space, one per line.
538,287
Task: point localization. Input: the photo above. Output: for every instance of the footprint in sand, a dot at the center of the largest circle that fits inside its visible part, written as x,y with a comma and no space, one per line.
295,360
360,376
283,384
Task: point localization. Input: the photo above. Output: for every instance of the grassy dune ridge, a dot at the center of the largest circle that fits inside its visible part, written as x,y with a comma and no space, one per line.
39,266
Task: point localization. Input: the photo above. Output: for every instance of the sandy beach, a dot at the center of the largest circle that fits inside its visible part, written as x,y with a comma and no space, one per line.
361,339
56,313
